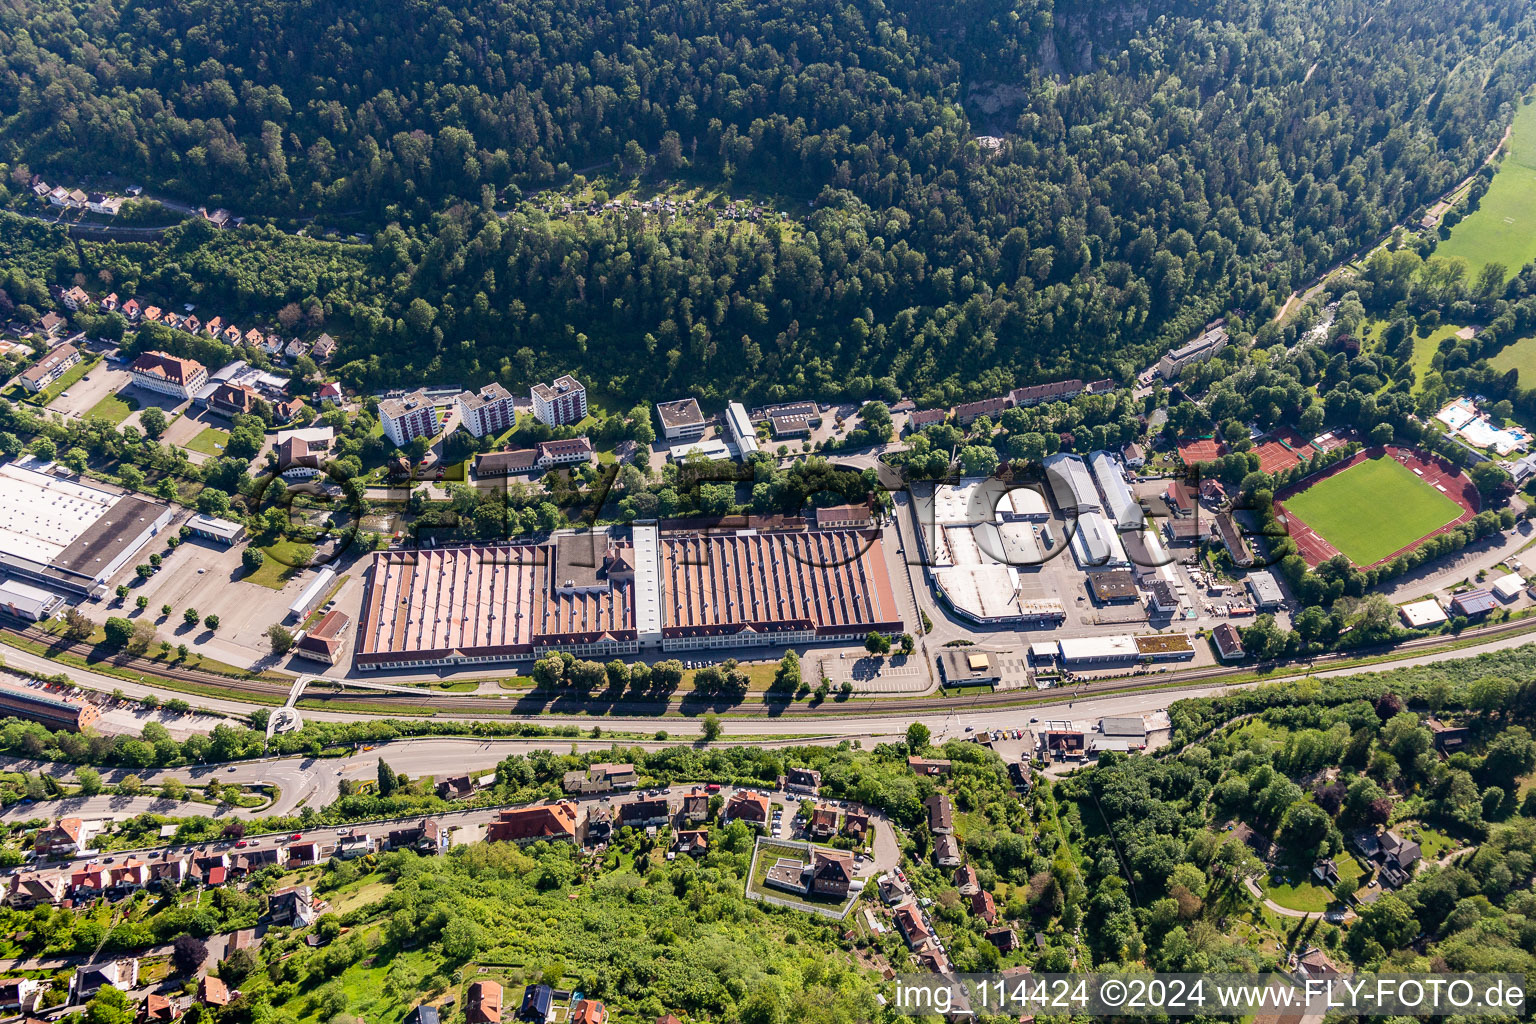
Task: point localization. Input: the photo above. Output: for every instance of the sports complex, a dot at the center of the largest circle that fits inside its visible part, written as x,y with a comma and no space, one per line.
1375,506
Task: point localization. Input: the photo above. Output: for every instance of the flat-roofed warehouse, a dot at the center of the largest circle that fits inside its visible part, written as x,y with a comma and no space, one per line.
970,666
67,533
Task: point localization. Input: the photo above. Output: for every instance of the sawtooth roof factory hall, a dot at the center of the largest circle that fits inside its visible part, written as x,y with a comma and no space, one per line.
624,591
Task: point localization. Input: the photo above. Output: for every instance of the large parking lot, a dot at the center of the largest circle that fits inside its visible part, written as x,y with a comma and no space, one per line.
106,379
199,574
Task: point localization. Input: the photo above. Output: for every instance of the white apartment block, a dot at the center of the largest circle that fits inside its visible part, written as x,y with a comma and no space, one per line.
560,403
488,412
49,368
169,375
407,418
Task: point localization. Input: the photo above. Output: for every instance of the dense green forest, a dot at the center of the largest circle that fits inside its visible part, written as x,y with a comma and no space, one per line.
1158,165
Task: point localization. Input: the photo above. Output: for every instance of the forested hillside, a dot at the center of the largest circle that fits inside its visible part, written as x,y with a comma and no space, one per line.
1160,163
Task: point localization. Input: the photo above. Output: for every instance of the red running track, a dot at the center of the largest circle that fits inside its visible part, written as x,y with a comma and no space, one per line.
1433,470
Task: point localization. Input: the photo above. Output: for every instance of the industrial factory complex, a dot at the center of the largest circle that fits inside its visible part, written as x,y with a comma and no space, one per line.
625,591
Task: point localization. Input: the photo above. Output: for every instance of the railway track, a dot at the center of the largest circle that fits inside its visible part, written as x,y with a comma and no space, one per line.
263,691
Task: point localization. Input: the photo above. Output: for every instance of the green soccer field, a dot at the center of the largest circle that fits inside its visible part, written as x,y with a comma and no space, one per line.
1503,227
1371,510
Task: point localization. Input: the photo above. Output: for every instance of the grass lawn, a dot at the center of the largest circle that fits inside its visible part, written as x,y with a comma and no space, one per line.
1373,509
1500,230
209,441
285,560
1519,356
114,409
1424,348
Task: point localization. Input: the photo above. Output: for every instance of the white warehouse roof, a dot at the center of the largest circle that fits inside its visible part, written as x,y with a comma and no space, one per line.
1508,587
1423,614
1095,543
1118,499
1071,483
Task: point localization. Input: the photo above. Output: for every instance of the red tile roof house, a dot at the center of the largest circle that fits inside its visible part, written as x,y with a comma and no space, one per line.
983,906
168,375
552,822
212,992
482,1004
751,808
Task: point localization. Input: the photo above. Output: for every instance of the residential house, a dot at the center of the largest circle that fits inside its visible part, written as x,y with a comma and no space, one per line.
19,995
212,991
966,881
191,324
802,780
36,889
513,463
231,335
169,375
295,348
409,417
1314,965
983,906
823,823
693,808
751,808
564,452
1004,938
537,1006
946,851
119,974
76,298
856,825
292,906
325,347
171,871
600,778
1447,738
428,836
50,368
1229,643
329,393
357,844
588,1011
110,303
98,202
66,837
157,1009
422,1014
129,876
304,854
933,767
909,921
555,822
52,324
941,814
132,310
693,842
326,640
559,404
89,882
297,459
831,872
967,413
1133,454
214,327
640,814
231,400
247,861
